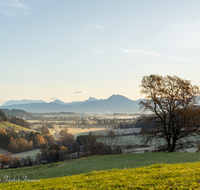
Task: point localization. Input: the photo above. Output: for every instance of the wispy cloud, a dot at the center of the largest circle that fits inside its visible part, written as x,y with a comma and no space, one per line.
80,92
154,54
12,7
13,3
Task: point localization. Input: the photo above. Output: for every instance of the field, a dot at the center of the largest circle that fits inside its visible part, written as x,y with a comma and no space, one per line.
87,128
85,131
159,176
30,153
98,163
75,131
8,125
2,151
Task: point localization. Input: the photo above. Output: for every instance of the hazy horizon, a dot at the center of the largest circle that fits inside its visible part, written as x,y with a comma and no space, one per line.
71,50
54,98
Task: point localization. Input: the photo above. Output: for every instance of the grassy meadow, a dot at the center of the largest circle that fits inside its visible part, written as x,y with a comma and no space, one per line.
8,125
159,176
98,163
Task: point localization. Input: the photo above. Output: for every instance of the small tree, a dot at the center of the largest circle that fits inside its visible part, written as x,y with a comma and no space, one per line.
4,160
173,103
44,130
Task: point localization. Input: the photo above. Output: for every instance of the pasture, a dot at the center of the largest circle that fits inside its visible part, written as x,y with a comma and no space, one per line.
2,151
85,131
159,176
30,153
98,163
8,125
76,131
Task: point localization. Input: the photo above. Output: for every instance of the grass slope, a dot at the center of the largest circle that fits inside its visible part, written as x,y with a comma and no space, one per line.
8,125
174,176
97,163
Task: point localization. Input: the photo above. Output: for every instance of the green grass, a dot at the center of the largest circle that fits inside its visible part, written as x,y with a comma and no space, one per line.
97,163
8,125
159,176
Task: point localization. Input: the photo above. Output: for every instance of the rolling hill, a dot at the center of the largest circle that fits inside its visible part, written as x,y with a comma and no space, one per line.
159,176
106,162
8,125
17,113
125,171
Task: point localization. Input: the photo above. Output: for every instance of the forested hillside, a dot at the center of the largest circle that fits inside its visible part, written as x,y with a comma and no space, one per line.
2,116
17,113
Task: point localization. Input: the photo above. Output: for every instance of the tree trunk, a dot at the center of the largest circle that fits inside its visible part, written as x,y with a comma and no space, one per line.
171,147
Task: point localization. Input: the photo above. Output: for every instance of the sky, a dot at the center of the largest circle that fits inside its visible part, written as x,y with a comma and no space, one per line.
71,50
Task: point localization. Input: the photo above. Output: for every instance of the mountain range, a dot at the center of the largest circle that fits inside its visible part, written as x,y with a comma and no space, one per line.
114,104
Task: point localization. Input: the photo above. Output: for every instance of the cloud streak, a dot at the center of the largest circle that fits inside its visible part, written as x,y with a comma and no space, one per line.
155,54
12,7
80,92
13,3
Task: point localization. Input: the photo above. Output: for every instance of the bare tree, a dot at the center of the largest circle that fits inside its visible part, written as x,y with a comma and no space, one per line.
174,105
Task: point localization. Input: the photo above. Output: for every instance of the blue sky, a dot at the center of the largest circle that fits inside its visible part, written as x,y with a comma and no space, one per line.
72,50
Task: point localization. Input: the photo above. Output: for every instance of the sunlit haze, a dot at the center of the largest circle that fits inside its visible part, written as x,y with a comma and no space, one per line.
71,50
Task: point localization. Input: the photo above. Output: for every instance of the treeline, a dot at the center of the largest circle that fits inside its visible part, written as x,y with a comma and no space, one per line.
19,121
14,120
15,162
144,123
92,146
65,148
61,149
2,116
126,125
5,138
15,143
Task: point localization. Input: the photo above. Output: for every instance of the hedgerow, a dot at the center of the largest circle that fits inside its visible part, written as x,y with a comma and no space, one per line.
159,176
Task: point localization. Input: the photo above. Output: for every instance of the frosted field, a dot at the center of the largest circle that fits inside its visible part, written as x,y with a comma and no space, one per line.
30,153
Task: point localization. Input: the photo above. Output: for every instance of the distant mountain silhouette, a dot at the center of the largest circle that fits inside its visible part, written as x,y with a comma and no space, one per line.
59,102
92,99
114,104
75,103
14,102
